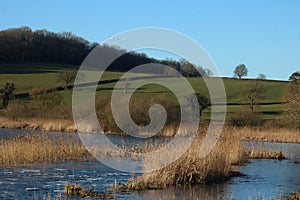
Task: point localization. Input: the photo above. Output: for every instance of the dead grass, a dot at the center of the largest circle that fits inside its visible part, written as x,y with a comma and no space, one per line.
270,134
265,154
190,169
255,133
294,196
38,124
41,147
78,191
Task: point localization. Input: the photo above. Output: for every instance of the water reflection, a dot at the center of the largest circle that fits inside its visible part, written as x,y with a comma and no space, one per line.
266,179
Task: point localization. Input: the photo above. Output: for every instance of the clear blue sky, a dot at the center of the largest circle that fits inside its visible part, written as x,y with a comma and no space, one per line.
263,34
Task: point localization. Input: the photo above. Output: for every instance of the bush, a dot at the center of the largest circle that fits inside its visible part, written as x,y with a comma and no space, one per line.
7,93
140,106
45,99
17,110
246,118
139,110
291,108
49,104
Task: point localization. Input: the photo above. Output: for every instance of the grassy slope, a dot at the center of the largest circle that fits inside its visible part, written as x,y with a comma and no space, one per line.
29,76
233,88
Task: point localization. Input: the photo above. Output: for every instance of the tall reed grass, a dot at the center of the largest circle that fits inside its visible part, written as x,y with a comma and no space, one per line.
29,149
190,169
38,124
270,134
264,154
78,191
294,196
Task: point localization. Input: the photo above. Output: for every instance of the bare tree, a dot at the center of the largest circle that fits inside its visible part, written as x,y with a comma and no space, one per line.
188,69
205,72
208,73
202,101
67,77
261,76
240,71
45,99
254,92
292,106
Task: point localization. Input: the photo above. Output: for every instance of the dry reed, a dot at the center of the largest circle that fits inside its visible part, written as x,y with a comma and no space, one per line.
41,147
78,191
269,134
257,133
38,124
294,196
46,148
265,154
190,169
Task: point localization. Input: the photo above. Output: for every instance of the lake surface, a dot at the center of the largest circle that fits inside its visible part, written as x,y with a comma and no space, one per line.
264,179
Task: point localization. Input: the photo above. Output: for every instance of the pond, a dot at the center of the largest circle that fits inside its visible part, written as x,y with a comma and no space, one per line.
264,179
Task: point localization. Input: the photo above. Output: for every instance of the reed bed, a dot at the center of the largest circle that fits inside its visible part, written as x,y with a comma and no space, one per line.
38,124
190,169
78,191
41,147
256,133
268,134
294,196
265,154
120,151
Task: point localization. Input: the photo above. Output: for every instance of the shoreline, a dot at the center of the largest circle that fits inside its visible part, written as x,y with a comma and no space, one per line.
259,134
57,125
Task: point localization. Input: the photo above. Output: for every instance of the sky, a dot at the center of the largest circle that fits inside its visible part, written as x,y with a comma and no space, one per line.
263,35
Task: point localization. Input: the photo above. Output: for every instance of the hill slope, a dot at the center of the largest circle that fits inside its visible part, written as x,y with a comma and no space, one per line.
29,76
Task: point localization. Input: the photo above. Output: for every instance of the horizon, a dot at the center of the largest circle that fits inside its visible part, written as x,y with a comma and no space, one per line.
264,36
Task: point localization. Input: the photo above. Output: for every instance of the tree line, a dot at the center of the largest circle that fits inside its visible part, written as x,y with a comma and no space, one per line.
23,45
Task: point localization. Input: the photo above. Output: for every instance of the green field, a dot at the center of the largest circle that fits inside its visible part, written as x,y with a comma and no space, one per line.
29,76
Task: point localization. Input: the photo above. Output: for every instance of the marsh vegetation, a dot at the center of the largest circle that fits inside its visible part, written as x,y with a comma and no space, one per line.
40,148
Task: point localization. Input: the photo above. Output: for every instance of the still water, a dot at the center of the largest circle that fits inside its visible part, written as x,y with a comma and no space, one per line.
264,179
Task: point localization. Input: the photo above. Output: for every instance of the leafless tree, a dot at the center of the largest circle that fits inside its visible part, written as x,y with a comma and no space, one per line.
292,106
254,92
261,76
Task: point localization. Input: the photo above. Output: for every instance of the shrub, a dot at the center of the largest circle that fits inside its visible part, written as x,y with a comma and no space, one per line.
7,93
67,77
45,99
292,108
246,118
16,110
139,110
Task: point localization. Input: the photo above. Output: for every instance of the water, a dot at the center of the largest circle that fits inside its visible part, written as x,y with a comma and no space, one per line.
116,139
6,133
291,150
264,179
40,181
